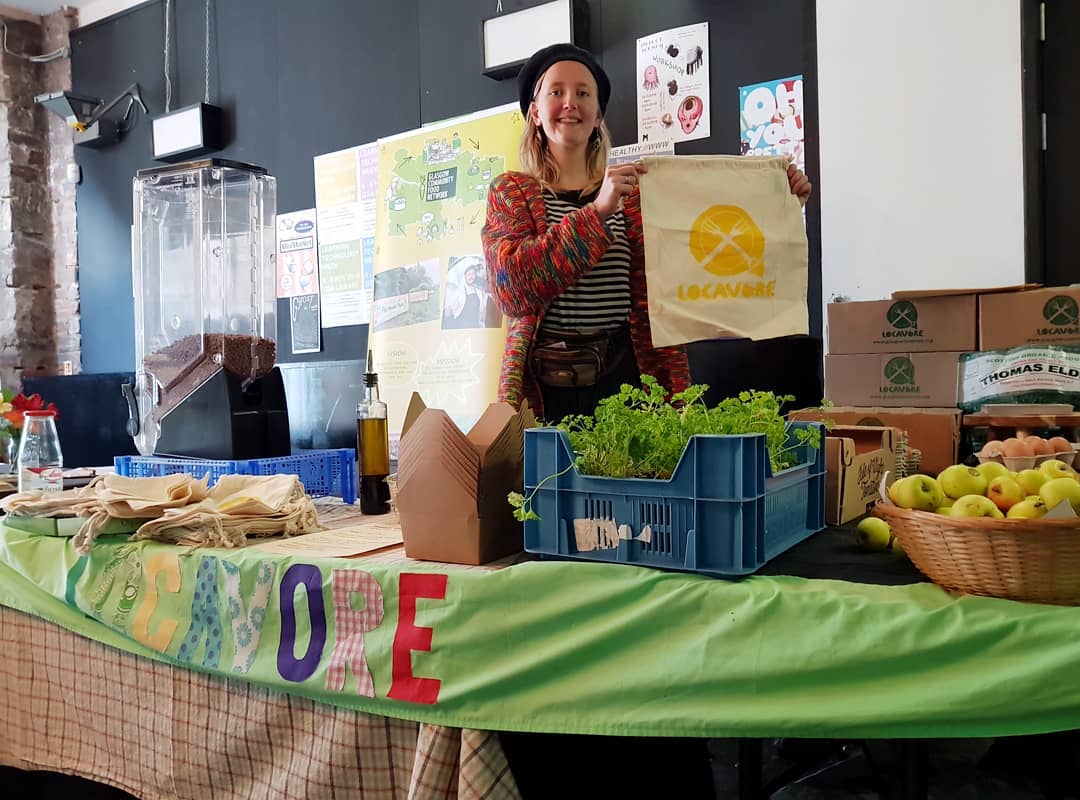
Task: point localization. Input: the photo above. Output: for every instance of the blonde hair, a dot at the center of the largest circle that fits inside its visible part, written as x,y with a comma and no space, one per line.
538,161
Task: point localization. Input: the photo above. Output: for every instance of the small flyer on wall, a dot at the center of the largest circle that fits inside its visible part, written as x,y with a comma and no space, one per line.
771,119
673,84
305,324
297,254
345,203
633,152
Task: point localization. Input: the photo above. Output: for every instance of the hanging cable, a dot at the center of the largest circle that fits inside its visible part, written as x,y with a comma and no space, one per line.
207,94
60,52
168,83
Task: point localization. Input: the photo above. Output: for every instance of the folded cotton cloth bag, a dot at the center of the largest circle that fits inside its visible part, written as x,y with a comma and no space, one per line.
180,508
238,506
725,249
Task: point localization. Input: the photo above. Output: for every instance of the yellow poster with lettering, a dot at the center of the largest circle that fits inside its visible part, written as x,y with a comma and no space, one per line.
725,249
435,326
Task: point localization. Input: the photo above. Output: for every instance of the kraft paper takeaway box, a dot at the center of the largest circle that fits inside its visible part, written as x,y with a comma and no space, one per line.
856,458
452,487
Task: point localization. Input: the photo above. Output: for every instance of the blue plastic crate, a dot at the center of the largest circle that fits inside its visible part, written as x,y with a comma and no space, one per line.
323,472
722,512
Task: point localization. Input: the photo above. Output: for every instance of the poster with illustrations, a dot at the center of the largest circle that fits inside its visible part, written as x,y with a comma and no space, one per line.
771,119
345,204
436,328
297,254
673,84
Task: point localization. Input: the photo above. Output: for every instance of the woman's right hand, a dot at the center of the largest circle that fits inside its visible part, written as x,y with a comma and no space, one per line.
619,182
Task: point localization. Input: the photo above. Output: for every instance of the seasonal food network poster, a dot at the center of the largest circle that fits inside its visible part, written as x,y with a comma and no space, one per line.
673,84
345,204
771,119
435,327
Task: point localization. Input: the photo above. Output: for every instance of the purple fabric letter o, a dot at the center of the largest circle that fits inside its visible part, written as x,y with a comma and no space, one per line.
288,666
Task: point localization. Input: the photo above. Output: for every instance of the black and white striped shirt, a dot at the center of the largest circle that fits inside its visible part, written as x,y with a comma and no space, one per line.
600,300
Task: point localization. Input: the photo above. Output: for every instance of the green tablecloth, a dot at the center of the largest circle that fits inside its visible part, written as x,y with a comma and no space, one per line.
570,647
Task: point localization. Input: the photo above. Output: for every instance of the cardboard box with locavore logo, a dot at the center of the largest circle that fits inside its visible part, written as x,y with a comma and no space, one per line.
1040,317
920,380
904,325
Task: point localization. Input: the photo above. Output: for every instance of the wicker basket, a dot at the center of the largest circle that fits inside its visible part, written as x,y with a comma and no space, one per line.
1033,560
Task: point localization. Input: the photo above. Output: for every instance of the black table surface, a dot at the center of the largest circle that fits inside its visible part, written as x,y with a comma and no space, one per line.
832,554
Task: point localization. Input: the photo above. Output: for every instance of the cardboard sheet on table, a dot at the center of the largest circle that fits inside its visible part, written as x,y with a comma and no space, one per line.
364,537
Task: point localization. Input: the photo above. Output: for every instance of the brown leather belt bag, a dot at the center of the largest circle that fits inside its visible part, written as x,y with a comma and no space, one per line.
564,361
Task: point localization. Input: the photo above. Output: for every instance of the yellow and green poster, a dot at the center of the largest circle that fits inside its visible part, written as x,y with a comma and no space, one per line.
435,327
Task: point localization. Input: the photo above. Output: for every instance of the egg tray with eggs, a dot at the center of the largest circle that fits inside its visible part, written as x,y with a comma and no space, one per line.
1027,452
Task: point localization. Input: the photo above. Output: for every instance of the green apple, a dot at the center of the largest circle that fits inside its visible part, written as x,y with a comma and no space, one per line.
1030,508
946,502
894,490
919,491
975,505
958,481
1030,480
944,510
1056,469
873,534
897,549
992,469
1005,492
1055,491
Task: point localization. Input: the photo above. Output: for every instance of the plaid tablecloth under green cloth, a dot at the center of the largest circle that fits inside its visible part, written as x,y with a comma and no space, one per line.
73,705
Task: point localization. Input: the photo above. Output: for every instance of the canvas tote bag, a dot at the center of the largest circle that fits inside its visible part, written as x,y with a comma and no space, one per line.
725,249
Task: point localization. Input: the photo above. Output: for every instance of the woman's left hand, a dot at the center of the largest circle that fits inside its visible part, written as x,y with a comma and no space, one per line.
799,183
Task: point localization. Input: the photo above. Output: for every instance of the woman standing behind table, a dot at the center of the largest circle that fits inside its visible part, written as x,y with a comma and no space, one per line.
565,260
565,250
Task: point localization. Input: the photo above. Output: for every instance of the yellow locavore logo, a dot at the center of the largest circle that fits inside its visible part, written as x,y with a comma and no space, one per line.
727,242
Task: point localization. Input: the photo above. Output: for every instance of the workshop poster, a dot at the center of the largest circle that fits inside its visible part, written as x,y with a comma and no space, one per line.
673,84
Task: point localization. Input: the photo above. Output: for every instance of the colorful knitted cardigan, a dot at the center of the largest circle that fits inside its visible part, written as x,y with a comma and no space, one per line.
529,264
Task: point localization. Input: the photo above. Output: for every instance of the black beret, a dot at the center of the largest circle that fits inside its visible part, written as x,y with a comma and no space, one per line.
541,60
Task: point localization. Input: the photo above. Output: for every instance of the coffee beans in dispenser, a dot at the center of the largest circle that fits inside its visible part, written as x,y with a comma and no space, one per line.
205,313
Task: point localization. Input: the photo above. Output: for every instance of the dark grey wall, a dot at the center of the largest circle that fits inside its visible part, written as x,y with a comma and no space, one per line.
298,80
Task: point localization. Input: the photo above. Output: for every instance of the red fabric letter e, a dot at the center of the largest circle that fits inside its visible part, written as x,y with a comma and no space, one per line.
408,637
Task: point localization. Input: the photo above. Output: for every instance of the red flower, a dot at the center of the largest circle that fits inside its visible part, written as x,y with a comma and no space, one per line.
20,403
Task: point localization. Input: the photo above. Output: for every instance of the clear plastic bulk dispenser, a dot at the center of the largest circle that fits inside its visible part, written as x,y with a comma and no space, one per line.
205,313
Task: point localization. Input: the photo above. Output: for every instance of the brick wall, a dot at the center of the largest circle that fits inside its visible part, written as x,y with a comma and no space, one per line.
39,296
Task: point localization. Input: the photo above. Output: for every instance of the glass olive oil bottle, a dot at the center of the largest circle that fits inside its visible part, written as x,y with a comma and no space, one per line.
372,446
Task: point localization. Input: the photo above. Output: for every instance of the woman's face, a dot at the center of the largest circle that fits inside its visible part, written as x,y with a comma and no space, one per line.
567,105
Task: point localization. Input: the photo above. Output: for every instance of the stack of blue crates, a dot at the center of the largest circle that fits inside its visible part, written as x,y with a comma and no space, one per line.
323,472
